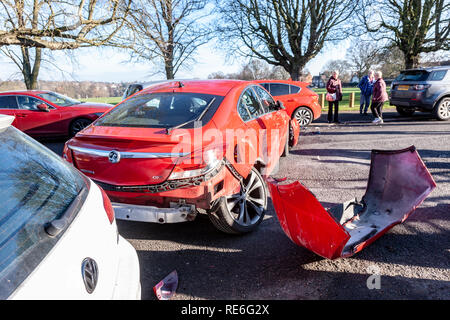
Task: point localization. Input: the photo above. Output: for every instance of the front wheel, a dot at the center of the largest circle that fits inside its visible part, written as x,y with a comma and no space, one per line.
78,125
242,212
442,110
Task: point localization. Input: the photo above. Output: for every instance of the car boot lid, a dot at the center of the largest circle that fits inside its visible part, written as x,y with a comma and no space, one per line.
398,182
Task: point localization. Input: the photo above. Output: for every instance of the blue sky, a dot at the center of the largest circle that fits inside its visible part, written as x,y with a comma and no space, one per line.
110,65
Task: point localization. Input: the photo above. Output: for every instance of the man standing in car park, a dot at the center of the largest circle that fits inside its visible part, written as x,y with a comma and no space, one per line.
366,87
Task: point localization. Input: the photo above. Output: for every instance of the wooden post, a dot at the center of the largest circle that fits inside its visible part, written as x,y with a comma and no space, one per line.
351,102
322,100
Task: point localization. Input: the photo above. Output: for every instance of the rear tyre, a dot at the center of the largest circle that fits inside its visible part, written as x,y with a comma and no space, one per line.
303,115
242,212
286,145
405,112
291,137
442,110
78,125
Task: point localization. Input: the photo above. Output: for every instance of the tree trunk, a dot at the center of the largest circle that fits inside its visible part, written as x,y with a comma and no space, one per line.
411,61
30,73
168,64
295,73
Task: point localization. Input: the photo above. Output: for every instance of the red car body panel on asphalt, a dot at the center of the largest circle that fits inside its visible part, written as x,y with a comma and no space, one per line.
140,179
398,183
55,122
305,97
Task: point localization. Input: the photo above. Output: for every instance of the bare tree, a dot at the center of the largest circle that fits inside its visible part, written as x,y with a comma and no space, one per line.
36,25
342,66
390,61
286,33
363,56
414,26
253,70
168,30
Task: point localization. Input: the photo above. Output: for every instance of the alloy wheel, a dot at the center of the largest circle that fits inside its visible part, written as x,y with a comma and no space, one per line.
247,206
79,125
303,116
444,109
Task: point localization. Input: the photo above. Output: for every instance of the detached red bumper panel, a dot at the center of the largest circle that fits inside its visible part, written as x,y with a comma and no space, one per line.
398,182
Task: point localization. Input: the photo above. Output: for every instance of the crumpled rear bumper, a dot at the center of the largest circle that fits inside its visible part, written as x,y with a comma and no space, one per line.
398,182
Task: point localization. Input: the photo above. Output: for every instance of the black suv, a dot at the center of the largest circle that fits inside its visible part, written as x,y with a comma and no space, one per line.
426,89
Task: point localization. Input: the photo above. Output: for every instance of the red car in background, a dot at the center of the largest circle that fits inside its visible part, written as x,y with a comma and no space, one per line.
300,102
180,148
47,113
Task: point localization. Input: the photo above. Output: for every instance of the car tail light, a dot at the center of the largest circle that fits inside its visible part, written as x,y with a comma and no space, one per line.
67,154
108,206
196,164
421,86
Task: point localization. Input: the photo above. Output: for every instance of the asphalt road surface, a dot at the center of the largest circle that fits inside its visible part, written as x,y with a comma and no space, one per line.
412,259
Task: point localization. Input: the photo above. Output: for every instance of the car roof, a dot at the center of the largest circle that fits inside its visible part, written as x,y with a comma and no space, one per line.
146,84
5,121
211,86
428,69
24,91
296,83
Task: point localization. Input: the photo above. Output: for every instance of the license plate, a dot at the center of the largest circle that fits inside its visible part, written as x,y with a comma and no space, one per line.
403,88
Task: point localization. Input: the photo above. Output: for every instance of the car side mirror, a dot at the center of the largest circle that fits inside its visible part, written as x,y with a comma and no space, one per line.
43,107
280,105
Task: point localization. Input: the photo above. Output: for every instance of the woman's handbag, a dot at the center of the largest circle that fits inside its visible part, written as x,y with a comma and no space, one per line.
330,97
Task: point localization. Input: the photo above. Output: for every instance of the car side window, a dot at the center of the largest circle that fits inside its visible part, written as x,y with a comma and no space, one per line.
294,89
249,101
8,102
28,103
437,75
266,86
266,99
279,89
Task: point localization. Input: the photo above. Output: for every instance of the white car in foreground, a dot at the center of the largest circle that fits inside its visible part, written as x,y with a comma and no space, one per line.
58,235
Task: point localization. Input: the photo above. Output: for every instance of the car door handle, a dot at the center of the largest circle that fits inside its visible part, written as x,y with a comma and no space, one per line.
290,100
21,115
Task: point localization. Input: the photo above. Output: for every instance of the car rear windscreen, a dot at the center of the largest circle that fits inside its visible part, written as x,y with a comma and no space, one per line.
37,187
162,110
413,75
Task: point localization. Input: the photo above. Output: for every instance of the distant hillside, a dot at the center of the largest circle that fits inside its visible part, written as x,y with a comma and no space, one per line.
74,89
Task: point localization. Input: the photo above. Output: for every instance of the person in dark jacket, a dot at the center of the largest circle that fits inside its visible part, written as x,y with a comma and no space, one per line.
366,87
379,97
334,90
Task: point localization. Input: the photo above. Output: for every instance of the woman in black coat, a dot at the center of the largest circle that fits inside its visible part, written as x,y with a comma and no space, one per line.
334,95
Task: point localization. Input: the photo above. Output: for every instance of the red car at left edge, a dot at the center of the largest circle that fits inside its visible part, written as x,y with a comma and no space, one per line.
47,113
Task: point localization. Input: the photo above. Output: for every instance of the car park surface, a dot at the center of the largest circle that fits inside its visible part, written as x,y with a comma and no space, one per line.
59,238
412,259
41,113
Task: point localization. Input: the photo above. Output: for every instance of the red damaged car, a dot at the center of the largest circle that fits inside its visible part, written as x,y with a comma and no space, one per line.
179,148
301,103
47,113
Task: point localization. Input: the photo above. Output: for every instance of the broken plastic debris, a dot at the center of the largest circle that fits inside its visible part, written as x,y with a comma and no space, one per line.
167,287
398,182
